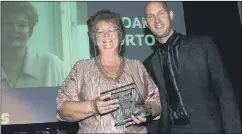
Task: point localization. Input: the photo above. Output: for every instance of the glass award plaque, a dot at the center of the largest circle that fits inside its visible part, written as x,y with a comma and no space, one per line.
130,101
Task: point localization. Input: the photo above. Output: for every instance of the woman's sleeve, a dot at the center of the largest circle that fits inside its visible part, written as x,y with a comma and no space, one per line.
70,89
153,97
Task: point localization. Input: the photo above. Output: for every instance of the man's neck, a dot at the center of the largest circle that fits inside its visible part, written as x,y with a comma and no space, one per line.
163,40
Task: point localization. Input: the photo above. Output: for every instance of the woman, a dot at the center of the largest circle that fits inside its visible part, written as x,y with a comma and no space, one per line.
80,99
20,66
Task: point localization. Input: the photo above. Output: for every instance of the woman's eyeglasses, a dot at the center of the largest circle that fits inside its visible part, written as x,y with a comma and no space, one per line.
110,31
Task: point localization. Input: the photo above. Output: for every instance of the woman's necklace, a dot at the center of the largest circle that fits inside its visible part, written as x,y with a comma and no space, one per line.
107,72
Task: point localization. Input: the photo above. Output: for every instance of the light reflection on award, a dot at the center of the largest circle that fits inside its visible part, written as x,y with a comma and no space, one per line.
130,101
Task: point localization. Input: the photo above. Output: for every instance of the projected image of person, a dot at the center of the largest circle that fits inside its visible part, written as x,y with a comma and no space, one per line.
20,65
79,97
200,97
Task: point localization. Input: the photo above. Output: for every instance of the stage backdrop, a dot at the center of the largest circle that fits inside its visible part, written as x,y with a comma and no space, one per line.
60,35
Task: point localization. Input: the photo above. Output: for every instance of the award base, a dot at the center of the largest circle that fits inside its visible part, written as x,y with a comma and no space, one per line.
123,119
129,105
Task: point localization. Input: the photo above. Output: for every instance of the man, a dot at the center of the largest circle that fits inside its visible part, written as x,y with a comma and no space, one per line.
196,94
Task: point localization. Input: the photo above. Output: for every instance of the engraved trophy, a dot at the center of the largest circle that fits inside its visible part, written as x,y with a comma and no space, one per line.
131,103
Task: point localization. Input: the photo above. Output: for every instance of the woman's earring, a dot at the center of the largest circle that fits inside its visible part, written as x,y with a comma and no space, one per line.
120,47
121,42
95,51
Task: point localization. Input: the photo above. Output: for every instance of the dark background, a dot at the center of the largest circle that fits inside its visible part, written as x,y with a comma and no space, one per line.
220,20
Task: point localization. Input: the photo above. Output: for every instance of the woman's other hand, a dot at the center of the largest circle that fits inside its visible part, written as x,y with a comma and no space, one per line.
136,120
103,104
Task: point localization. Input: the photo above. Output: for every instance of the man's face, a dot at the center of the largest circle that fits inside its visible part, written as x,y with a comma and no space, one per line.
15,30
158,19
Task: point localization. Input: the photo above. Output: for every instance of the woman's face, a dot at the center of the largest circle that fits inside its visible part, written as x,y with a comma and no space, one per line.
15,30
106,36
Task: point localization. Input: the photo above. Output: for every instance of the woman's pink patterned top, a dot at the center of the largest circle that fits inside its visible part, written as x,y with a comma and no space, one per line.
87,80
